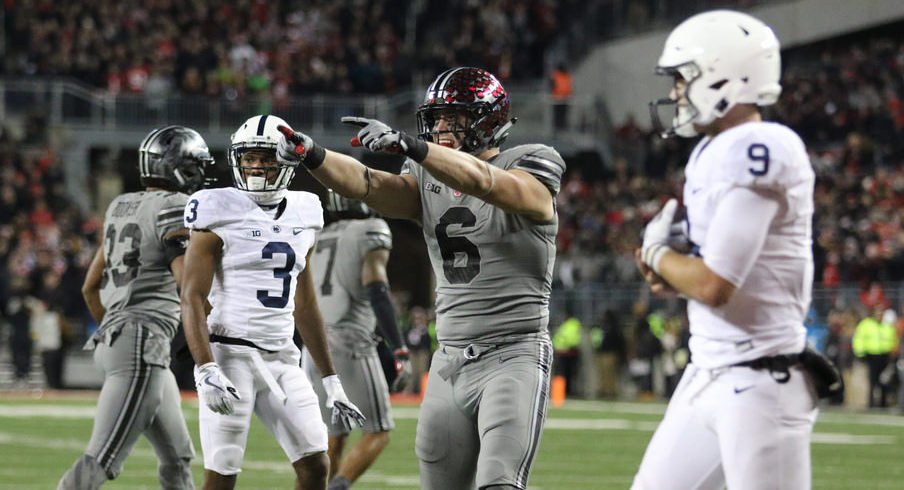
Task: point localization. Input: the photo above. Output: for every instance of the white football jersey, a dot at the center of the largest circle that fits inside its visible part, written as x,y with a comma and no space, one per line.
253,290
765,316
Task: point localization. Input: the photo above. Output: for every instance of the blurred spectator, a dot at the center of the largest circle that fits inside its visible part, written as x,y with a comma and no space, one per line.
566,343
418,339
561,90
611,355
18,314
874,342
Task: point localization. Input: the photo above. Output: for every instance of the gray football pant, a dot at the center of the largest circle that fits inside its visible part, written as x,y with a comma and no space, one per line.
137,398
482,425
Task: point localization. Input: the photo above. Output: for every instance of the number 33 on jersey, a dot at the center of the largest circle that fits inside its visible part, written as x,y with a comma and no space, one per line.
255,285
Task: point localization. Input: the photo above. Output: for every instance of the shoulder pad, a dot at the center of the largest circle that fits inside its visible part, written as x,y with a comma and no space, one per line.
541,161
764,156
307,208
209,209
374,234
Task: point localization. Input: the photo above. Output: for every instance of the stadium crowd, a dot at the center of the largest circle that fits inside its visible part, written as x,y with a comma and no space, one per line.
843,99
254,47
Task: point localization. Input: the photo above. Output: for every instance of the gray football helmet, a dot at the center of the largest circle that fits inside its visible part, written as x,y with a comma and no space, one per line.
338,207
174,158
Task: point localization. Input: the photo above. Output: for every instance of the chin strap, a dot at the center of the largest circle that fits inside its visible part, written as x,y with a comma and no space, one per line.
267,197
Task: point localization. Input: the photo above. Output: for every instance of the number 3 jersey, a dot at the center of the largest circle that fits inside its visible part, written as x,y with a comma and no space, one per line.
493,268
253,290
137,279
765,315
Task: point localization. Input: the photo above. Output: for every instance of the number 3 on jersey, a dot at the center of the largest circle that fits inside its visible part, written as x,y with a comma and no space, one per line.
284,273
453,249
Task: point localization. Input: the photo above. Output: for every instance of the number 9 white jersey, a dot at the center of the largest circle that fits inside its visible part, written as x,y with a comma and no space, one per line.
253,290
765,315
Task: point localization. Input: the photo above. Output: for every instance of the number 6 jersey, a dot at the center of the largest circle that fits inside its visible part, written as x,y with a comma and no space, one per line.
493,269
253,290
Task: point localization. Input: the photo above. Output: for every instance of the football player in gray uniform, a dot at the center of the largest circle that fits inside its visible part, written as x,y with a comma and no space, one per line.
490,222
353,293
131,291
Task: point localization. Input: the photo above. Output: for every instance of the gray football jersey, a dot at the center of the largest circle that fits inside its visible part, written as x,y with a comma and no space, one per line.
493,269
137,280
336,269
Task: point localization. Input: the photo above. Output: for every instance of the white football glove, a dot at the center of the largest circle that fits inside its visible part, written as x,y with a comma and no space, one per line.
345,413
656,235
214,388
403,370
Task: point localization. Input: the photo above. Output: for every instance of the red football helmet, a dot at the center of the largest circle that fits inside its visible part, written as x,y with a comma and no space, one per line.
478,95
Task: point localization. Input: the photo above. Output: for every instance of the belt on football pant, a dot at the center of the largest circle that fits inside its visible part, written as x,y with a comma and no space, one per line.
778,366
475,350
257,360
222,339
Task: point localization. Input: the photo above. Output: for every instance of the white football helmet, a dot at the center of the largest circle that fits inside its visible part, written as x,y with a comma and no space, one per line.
260,133
726,58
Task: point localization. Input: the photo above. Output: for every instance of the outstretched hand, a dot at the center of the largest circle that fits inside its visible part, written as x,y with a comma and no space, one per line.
296,147
378,136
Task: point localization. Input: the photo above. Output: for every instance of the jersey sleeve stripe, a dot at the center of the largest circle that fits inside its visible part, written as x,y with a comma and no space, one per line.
169,222
545,161
378,233
169,214
538,170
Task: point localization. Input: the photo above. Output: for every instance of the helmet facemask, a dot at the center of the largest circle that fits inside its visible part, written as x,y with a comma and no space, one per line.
677,106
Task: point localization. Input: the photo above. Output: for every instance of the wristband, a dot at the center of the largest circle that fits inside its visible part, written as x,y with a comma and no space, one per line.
417,148
314,157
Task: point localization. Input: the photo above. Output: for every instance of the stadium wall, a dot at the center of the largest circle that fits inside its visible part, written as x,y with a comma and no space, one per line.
622,71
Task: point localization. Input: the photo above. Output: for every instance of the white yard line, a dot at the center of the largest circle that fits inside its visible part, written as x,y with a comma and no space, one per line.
410,413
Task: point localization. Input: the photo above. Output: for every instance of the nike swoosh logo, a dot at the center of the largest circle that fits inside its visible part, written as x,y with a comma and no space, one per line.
208,383
698,189
296,231
742,390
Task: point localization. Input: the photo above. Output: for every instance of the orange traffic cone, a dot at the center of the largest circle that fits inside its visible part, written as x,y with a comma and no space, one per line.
557,392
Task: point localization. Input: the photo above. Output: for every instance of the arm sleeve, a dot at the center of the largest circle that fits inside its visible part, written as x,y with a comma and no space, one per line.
385,313
743,217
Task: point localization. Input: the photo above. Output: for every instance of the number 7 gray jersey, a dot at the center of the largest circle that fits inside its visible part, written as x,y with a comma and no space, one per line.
340,251
493,269
137,279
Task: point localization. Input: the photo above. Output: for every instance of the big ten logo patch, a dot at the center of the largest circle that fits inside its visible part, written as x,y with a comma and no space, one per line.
431,187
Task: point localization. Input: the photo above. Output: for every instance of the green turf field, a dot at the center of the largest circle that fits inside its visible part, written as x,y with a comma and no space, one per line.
586,445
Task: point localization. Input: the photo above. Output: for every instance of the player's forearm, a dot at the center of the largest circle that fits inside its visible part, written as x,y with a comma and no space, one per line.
194,322
691,277
459,170
95,307
310,326
387,193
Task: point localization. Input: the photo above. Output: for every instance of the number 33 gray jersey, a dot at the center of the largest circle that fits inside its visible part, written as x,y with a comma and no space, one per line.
493,269
137,279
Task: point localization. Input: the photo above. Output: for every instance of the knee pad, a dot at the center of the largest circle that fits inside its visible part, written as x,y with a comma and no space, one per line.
226,460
